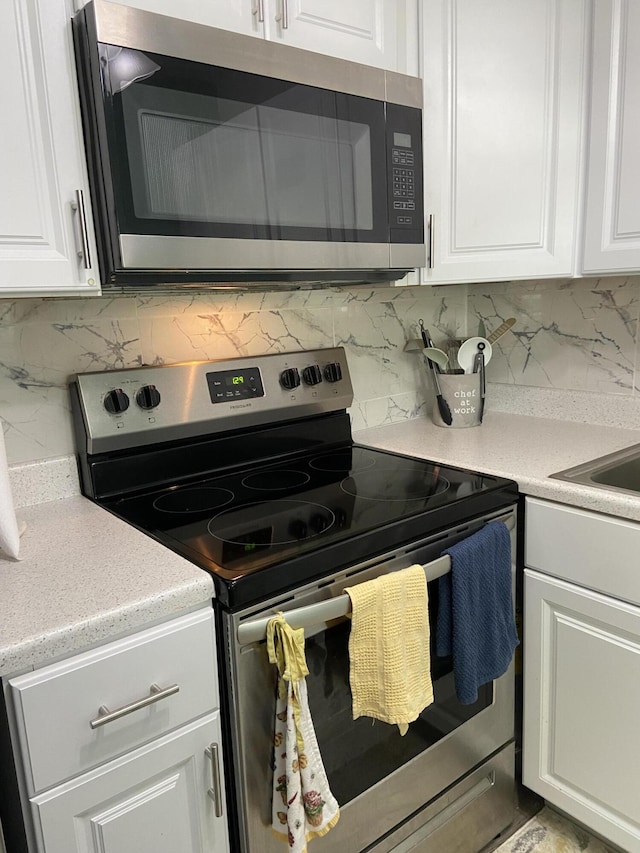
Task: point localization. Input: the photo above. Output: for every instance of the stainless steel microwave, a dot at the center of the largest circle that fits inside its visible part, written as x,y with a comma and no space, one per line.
218,157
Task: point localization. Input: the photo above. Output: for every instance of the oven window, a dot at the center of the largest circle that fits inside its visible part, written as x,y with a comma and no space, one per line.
203,151
359,753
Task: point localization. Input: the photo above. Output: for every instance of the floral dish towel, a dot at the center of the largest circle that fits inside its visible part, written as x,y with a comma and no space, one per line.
303,807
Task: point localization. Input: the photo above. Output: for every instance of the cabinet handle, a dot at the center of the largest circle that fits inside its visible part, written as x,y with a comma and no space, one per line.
431,241
80,229
258,9
215,792
155,695
283,15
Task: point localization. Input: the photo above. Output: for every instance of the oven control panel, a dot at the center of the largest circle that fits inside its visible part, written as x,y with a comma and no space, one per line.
117,409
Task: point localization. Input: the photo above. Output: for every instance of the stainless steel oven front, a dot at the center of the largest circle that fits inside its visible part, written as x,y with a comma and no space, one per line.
447,785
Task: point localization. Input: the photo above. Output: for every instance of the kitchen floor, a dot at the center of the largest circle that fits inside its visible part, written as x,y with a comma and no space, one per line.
548,832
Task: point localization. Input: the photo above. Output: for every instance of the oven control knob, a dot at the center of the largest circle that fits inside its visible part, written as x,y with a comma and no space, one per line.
290,378
312,375
116,401
148,397
298,528
333,372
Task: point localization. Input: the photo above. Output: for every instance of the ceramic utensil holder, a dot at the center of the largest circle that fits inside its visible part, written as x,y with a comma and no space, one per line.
463,395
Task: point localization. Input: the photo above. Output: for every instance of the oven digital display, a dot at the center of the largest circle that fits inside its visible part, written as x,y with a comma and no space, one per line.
228,385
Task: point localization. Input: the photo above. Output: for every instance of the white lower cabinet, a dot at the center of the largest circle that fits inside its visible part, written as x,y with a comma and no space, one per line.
119,747
154,800
581,742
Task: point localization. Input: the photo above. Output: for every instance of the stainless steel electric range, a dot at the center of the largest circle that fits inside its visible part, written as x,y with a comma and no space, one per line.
247,468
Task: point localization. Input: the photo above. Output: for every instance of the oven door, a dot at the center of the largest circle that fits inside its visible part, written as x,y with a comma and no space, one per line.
379,778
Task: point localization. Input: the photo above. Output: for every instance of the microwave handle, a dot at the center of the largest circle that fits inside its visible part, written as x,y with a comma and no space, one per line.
255,630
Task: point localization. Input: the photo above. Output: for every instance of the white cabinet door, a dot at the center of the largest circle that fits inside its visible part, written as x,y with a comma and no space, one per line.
42,169
374,32
612,226
154,800
581,747
504,90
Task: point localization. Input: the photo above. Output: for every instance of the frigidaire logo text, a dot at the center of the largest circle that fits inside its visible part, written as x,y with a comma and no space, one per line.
240,406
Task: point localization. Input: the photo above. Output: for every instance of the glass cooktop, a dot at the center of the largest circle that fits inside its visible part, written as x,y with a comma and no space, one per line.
262,529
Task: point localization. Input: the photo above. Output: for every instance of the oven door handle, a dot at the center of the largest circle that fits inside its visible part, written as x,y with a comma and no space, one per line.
322,612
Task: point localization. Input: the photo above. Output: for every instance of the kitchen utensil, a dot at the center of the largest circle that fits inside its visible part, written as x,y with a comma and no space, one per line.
443,406
499,332
437,356
468,350
478,367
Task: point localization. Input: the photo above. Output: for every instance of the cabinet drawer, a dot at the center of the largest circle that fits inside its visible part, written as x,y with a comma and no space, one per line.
596,551
56,704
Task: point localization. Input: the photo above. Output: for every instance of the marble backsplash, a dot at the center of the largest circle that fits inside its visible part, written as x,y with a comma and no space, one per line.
578,336
43,342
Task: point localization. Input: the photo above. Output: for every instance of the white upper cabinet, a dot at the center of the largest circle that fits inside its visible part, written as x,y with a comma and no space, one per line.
46,234
383,33
504,89
612,222
373,32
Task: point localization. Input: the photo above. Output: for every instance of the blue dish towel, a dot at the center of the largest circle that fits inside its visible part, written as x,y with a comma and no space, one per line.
475,613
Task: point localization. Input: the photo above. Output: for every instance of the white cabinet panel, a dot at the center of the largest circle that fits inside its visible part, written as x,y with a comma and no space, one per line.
504,89
55,704
364,31
581,748
42,167
154,800
612,228
577,545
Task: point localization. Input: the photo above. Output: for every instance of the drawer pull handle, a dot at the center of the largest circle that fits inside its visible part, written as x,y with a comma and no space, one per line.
155,695
215,792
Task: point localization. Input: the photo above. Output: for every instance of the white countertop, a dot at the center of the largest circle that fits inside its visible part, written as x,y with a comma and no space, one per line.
85,577
522,448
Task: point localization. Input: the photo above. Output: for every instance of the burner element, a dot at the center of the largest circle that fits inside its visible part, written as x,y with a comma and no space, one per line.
275,480
396,484
189,499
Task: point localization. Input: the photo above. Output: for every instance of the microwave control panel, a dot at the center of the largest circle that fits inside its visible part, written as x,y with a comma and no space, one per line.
404,168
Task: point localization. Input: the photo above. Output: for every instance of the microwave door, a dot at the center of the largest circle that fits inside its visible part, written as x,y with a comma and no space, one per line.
219,169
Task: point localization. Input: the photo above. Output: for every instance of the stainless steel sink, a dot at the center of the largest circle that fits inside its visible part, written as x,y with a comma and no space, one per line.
618,472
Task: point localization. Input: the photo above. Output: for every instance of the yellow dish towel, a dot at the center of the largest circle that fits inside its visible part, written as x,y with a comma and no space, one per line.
390,663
